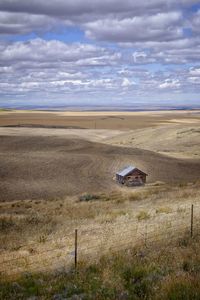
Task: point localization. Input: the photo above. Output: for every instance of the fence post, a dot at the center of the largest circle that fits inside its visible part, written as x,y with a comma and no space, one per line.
76,249
145,236
192,220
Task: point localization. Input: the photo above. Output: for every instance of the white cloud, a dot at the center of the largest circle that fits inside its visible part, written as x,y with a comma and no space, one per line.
22,23
194,80
161,26
49,51
195,71
127,83
141,46
195,21
40,65
170,84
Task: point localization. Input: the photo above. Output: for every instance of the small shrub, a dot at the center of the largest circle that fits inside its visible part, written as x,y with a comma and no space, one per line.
182,184
31,286
184,241
88,197
27,206
120,200
163,210
6,223
158,183
135,197
42,238
186,266
144,194
191,266
32,219
38,202
181,210
180,289
143,215
136,282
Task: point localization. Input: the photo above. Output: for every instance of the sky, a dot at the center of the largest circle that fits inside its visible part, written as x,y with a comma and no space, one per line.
99,52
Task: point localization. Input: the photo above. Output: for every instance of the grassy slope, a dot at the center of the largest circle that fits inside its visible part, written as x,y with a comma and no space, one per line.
37,231
181,141
22,222
164,270
150,273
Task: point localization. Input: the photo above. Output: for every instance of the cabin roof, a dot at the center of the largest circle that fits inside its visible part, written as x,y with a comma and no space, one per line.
126,170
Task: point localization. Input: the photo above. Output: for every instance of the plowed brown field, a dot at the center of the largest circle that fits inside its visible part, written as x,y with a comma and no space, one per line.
48,167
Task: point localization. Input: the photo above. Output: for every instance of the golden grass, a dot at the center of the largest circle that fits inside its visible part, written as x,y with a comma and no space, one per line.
102,223
143,215
152,272
163,210
145,193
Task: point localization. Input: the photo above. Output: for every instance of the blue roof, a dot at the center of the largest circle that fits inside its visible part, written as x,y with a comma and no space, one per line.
126,171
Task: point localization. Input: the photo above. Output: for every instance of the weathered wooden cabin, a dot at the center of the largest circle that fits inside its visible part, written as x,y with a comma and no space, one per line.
131,176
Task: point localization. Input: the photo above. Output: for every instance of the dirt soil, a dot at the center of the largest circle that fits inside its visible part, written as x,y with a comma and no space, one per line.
47,167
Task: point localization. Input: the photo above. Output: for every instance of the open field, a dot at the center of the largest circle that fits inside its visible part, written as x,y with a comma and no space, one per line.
180,141
162,271
38,235
99,120
173,133
47,167
48,160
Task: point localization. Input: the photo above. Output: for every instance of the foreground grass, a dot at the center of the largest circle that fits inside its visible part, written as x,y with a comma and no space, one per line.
159,272
23,222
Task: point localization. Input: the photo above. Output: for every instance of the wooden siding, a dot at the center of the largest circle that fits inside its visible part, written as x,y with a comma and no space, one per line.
134,178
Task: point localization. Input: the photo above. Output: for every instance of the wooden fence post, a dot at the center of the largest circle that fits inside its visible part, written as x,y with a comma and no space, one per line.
76,249
145,236
192,220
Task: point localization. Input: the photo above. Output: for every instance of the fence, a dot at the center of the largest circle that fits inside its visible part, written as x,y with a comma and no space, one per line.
90,244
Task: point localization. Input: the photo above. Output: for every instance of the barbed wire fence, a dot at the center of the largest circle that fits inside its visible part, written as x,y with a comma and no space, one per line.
83,244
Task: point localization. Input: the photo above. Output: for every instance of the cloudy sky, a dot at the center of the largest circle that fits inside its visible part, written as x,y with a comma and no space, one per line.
99,52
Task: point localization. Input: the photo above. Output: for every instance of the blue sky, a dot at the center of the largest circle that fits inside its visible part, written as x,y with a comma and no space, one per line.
95,52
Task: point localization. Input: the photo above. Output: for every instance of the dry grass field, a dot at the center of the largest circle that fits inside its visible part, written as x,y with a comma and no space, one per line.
180,140
32,228
99,120
45,171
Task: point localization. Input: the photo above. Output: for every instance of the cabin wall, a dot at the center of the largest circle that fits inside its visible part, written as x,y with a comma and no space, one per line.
120,179
134,179
139,178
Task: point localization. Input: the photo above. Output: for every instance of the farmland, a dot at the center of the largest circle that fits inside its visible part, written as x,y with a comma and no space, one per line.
45,163
50,162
